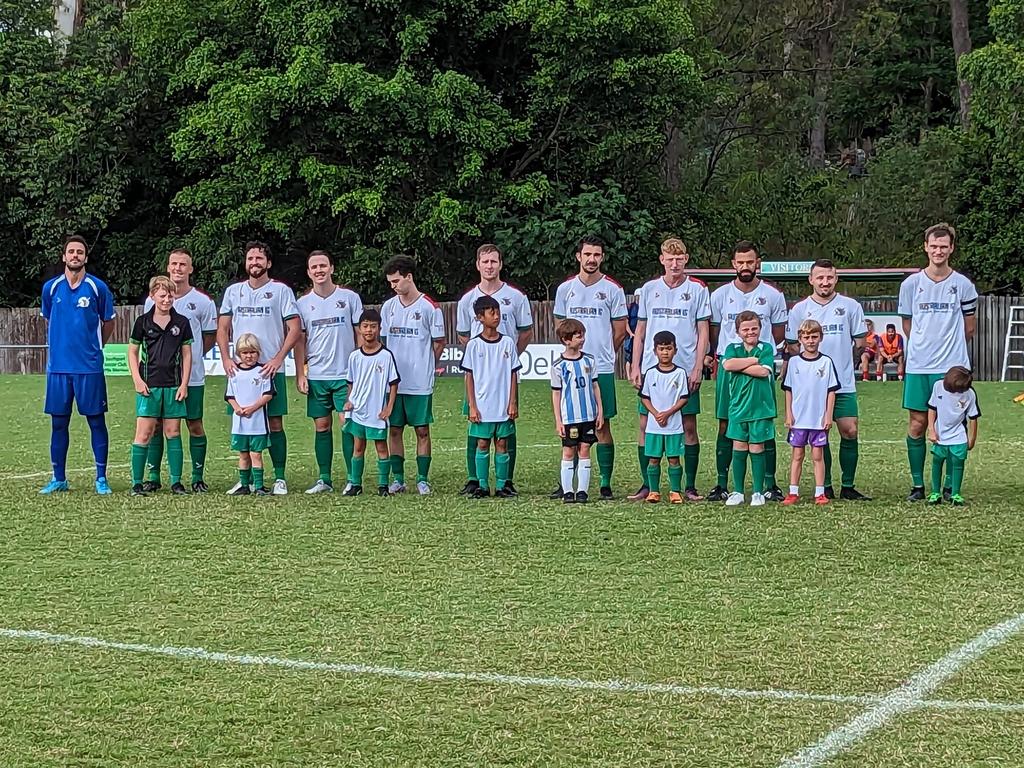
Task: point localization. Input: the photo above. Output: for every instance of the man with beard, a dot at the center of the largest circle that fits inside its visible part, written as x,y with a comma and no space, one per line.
843,330
681,305
265,308
516,323
746,292
79,312
599,303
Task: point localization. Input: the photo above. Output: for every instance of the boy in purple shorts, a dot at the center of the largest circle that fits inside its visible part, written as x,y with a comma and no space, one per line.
810,384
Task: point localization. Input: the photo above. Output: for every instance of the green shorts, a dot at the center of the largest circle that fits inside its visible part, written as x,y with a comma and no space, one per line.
947,452
250,443
278,405
159,404
326,396
413,411
756,431
846,406
487,429
606,386
722,393
663,445
360,432
917,390
692,407
194,403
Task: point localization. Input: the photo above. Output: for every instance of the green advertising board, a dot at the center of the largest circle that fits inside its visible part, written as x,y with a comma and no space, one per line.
115,360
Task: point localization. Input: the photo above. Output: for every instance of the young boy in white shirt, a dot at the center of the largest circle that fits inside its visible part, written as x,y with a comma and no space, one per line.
248,393
491,364
372,392
810,384
664,391
953,415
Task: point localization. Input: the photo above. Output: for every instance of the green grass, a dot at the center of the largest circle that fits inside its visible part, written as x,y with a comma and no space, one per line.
851,599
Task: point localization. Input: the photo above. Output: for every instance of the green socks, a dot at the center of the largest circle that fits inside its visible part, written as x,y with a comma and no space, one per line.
915,455
483,460
739,470
758,473
471,457
278,453
848,457
691,459
383,470
502,462
139,454
510,446
257,477
723,457
355,475
175,458
675,477
245,477
197,456
937,463
398,468
605,463
770,456
422,468
654,477
323,449
155,457
347,446
956,473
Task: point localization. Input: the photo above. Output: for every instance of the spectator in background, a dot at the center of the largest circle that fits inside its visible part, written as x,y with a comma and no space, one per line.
890,350
632,318
872,342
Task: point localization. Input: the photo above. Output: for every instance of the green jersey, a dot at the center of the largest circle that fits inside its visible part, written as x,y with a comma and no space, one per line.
751,397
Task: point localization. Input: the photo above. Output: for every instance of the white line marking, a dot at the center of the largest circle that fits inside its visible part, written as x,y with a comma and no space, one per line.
906,698
491,678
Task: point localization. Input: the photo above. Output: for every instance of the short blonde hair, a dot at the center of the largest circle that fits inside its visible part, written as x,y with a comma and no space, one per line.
809,326
673,246
161,281
248,342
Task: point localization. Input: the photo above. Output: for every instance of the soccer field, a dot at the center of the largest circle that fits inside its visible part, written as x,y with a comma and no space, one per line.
322,631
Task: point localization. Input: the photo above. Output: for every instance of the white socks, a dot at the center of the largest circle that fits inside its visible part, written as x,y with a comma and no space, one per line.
567,475
583,476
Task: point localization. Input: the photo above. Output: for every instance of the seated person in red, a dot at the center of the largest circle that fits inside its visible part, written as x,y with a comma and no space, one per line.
890,350
870,351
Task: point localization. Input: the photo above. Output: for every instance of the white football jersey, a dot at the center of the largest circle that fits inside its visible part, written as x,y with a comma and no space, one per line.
201,312
260,311
664,389
596,306
330,337
516,314
677,310
810,380
246,387
842,321
370,378
952,410
727,301
936,311
492,364
409,333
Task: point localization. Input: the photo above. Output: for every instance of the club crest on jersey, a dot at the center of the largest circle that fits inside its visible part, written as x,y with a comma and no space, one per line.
507,301
601,296
340,304
952,290
961,403
686,296
256,380
268,295
175,331
840,311
83,302
192,306
505,354
760,301
821,372
416,315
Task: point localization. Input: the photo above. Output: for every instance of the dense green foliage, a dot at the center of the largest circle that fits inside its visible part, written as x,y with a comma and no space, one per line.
371,127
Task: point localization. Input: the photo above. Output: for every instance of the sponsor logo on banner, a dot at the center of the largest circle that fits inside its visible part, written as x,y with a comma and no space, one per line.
536,361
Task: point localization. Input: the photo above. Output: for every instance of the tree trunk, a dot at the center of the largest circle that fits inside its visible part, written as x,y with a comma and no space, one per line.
824,54
961,47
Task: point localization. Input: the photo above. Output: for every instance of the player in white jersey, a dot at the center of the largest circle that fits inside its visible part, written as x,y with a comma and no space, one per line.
938,308
682,306
953,406
664,390
412,326
329,314
265,308
201,312
516,323
746,292
599,303
248,393
843,331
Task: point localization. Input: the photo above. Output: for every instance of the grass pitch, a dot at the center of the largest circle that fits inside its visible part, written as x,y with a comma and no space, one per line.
849,600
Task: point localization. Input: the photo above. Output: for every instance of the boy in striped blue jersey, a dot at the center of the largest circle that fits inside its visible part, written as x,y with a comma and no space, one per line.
576,401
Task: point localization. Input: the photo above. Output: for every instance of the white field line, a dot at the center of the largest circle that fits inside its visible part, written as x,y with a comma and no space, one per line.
487,678
908,697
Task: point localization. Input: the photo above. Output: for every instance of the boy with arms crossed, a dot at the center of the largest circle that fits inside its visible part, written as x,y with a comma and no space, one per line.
664,392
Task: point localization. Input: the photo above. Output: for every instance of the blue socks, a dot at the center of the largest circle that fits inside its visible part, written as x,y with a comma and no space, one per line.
60,439
100,443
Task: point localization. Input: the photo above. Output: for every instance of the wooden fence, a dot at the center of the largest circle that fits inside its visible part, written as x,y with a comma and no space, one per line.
23,333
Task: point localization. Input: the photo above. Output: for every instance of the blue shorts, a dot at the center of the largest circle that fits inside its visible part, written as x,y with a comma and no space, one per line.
89,390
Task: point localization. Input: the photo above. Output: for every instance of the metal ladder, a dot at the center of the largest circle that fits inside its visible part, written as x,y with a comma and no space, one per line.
1014,332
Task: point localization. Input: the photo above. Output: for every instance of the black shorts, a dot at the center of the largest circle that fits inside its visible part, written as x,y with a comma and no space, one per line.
583,432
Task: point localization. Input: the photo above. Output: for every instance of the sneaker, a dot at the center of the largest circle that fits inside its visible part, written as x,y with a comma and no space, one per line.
691,494
102,487
757,499
774,494
935,498
568,497
830,492
734,499
178,489
482,493
555,494
640,495
819,500
55,486
504,493
790,500
138,490
957,500
280,488
916,493
382,490
718,493
675,497
152,486
472,485
852,494
264,492
355,490
239,490
653,497
606,493
396,487
511,488
200,487
423,488
582,497
320,487
947,494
